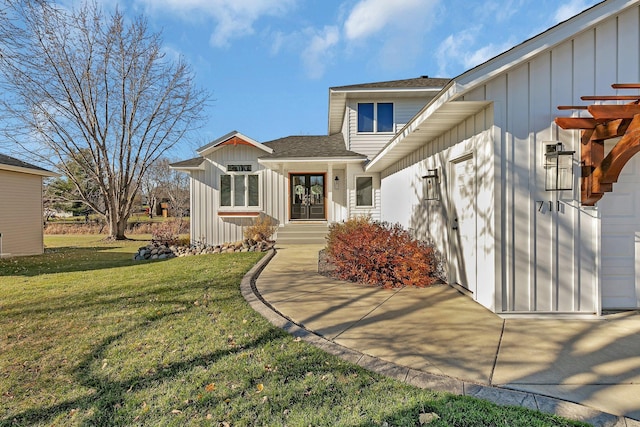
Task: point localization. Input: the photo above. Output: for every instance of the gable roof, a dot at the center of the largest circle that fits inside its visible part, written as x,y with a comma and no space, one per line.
310,148
232,138
448,107
188,165
424,82
12,164
338,95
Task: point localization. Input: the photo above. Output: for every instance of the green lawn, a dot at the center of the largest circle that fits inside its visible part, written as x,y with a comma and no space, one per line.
89,337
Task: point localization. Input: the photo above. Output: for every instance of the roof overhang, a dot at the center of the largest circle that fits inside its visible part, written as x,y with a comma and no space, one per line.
187,168
232,138
435,119
322,160
30,171
338,100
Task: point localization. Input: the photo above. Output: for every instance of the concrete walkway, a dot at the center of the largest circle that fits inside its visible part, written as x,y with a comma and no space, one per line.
438,338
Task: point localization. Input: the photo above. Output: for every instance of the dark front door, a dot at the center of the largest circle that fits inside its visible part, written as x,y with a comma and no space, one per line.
307,196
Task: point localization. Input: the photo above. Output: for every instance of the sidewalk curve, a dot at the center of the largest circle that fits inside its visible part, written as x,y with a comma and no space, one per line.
437,338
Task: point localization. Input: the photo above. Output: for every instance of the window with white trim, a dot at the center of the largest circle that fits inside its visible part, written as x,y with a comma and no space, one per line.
239,187
364,191
375,117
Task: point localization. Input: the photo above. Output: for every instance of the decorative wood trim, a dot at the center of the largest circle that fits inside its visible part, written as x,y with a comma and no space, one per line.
613,112
238,214
600,172
576,122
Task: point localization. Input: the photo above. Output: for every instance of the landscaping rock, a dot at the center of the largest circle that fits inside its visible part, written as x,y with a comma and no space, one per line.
156,250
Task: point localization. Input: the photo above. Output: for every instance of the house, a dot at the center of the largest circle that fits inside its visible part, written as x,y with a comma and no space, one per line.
302,178
521,171
21,225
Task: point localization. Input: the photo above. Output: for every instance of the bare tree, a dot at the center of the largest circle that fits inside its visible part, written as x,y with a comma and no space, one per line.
162,182
85,88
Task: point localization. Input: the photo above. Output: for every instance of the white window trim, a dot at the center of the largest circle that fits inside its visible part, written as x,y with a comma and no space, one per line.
233,208
375,118
373,192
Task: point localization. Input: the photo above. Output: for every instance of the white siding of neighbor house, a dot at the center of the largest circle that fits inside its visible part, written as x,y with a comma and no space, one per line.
548,247
21,214
370,143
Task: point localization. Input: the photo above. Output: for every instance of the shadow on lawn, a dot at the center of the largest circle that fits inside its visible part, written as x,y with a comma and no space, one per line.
104,403
68,259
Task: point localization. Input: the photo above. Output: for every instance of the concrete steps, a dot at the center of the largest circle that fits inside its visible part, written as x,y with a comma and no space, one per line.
302,233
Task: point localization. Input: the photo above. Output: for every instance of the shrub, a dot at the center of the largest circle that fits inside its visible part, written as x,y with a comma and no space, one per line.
380,254
167,232
261,229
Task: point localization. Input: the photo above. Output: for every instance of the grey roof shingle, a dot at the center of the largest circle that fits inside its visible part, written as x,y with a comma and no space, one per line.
12,161
310,146
420,82
190,163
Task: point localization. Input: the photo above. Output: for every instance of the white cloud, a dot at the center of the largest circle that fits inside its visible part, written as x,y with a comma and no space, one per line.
458,52
573,7
233,18
319,52
371,16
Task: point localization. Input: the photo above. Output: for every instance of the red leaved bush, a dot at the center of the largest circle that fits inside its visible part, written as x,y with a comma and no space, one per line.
380,254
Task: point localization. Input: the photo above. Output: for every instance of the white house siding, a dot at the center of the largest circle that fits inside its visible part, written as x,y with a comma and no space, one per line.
207,225
551,244
21,214
620,212
404,198
370,143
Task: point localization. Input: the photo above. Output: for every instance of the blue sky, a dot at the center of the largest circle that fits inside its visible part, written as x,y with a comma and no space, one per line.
269,63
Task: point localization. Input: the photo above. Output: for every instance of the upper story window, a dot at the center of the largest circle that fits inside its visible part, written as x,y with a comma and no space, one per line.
375,117
240,187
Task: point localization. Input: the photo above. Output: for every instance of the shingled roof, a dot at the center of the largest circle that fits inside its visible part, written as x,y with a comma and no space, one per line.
14,164
420,82
310,146
194,163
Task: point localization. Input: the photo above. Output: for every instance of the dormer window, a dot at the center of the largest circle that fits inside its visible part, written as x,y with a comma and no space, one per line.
375,117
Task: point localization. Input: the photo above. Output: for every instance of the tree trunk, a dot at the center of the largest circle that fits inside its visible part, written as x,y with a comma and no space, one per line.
117,228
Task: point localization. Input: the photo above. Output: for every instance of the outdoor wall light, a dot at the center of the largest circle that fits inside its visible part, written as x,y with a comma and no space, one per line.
559,167
431,185
336,183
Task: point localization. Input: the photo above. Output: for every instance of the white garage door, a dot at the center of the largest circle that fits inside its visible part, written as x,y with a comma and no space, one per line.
620,213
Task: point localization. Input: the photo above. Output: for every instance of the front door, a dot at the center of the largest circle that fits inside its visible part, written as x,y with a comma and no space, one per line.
307,196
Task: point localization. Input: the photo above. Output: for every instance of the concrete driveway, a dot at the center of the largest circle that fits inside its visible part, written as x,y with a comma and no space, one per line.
582,369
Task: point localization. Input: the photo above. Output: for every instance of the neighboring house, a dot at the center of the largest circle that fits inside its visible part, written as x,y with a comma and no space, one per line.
21,223
468,169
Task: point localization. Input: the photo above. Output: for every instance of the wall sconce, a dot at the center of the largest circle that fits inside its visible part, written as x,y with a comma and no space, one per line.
431,185
559,167
336,183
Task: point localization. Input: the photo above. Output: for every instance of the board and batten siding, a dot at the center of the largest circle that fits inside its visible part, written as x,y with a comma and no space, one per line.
370,143
21,214
404,196
207,226
548,253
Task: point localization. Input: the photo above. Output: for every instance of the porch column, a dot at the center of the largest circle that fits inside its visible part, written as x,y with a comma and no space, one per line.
329,185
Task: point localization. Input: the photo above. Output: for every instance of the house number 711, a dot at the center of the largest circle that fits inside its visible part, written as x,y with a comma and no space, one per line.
542,202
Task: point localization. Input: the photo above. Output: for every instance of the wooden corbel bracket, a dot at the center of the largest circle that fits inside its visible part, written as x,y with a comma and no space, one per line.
600,172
